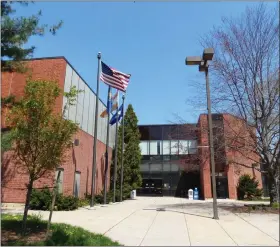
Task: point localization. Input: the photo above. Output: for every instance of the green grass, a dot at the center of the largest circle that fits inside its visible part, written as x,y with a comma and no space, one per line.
62,234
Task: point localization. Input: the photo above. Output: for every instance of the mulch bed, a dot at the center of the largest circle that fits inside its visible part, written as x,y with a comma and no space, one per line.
10,236
260,209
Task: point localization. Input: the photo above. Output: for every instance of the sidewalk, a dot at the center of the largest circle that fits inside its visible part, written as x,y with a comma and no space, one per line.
163,221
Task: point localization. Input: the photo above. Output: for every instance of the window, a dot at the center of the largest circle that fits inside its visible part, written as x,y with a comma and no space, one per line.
166,157
144,167
192,146
183,147
166,147
174,167
156,167
145,157
155,148
77,184
144,145
174,147
166,167
60,181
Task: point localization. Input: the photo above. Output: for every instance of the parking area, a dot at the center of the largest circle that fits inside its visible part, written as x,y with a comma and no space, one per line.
165,221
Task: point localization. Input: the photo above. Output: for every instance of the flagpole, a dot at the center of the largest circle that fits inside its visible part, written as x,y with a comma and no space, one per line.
95,133
116,151
121,192
107,145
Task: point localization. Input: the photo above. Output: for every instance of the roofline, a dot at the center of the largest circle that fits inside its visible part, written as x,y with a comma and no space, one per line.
140,125
62,57
230,114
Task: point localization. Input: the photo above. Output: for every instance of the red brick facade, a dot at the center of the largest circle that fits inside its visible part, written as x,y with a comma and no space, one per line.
232,126
78,159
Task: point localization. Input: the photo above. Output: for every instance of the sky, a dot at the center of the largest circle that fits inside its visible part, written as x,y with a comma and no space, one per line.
149,40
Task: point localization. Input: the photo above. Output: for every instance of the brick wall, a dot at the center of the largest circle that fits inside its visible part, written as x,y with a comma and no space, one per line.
239,162
78,158
232,126
204,157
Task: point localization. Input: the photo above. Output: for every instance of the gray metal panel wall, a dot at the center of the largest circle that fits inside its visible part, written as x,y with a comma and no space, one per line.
73,108
83,112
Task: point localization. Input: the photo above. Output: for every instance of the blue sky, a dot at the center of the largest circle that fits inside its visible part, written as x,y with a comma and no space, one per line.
146,39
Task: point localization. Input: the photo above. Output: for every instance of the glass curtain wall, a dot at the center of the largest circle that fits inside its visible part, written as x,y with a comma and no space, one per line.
161,149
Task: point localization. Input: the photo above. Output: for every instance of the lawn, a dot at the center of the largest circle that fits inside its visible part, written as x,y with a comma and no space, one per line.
62,234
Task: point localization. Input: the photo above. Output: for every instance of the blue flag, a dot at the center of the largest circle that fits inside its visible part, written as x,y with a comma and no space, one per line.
109,102
114,118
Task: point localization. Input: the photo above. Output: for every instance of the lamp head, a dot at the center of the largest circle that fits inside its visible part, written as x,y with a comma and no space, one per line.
193,60
208,54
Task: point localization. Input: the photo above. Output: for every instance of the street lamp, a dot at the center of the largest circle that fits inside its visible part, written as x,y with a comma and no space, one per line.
203,63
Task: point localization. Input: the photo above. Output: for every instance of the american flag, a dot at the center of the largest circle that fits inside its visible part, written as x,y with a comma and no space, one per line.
114,78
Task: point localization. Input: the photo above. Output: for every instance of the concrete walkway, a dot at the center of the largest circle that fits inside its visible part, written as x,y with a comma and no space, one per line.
166,221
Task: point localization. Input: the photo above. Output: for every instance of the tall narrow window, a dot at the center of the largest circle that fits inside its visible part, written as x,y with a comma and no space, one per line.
192,146
144,146
183,147
153,148
174,147
77,184
60,181
166,147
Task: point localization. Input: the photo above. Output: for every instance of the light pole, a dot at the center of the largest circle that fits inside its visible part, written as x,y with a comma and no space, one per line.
203,64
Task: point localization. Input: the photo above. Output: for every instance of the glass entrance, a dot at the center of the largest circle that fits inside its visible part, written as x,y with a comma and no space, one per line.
151,187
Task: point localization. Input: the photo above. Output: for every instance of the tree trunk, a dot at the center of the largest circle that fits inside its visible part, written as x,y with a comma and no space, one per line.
273,187
27,201
53,203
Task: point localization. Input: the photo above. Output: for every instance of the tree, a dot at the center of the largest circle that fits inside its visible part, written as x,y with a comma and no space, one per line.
6,141
132,154
245,70
15,32
40,136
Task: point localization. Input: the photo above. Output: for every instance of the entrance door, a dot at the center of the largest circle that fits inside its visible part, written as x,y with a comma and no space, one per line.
222,187
151,187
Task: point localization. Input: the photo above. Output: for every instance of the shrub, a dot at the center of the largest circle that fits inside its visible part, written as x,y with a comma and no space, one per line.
98,199
248,188
276,205
83,202
42,199
66,203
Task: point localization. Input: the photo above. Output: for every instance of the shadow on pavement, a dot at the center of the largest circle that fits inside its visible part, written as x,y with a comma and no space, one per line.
174,211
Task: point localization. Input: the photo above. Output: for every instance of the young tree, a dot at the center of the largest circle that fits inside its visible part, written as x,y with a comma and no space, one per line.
15,32
40,136
245,73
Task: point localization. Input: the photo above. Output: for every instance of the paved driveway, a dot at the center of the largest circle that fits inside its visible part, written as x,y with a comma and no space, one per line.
166,221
